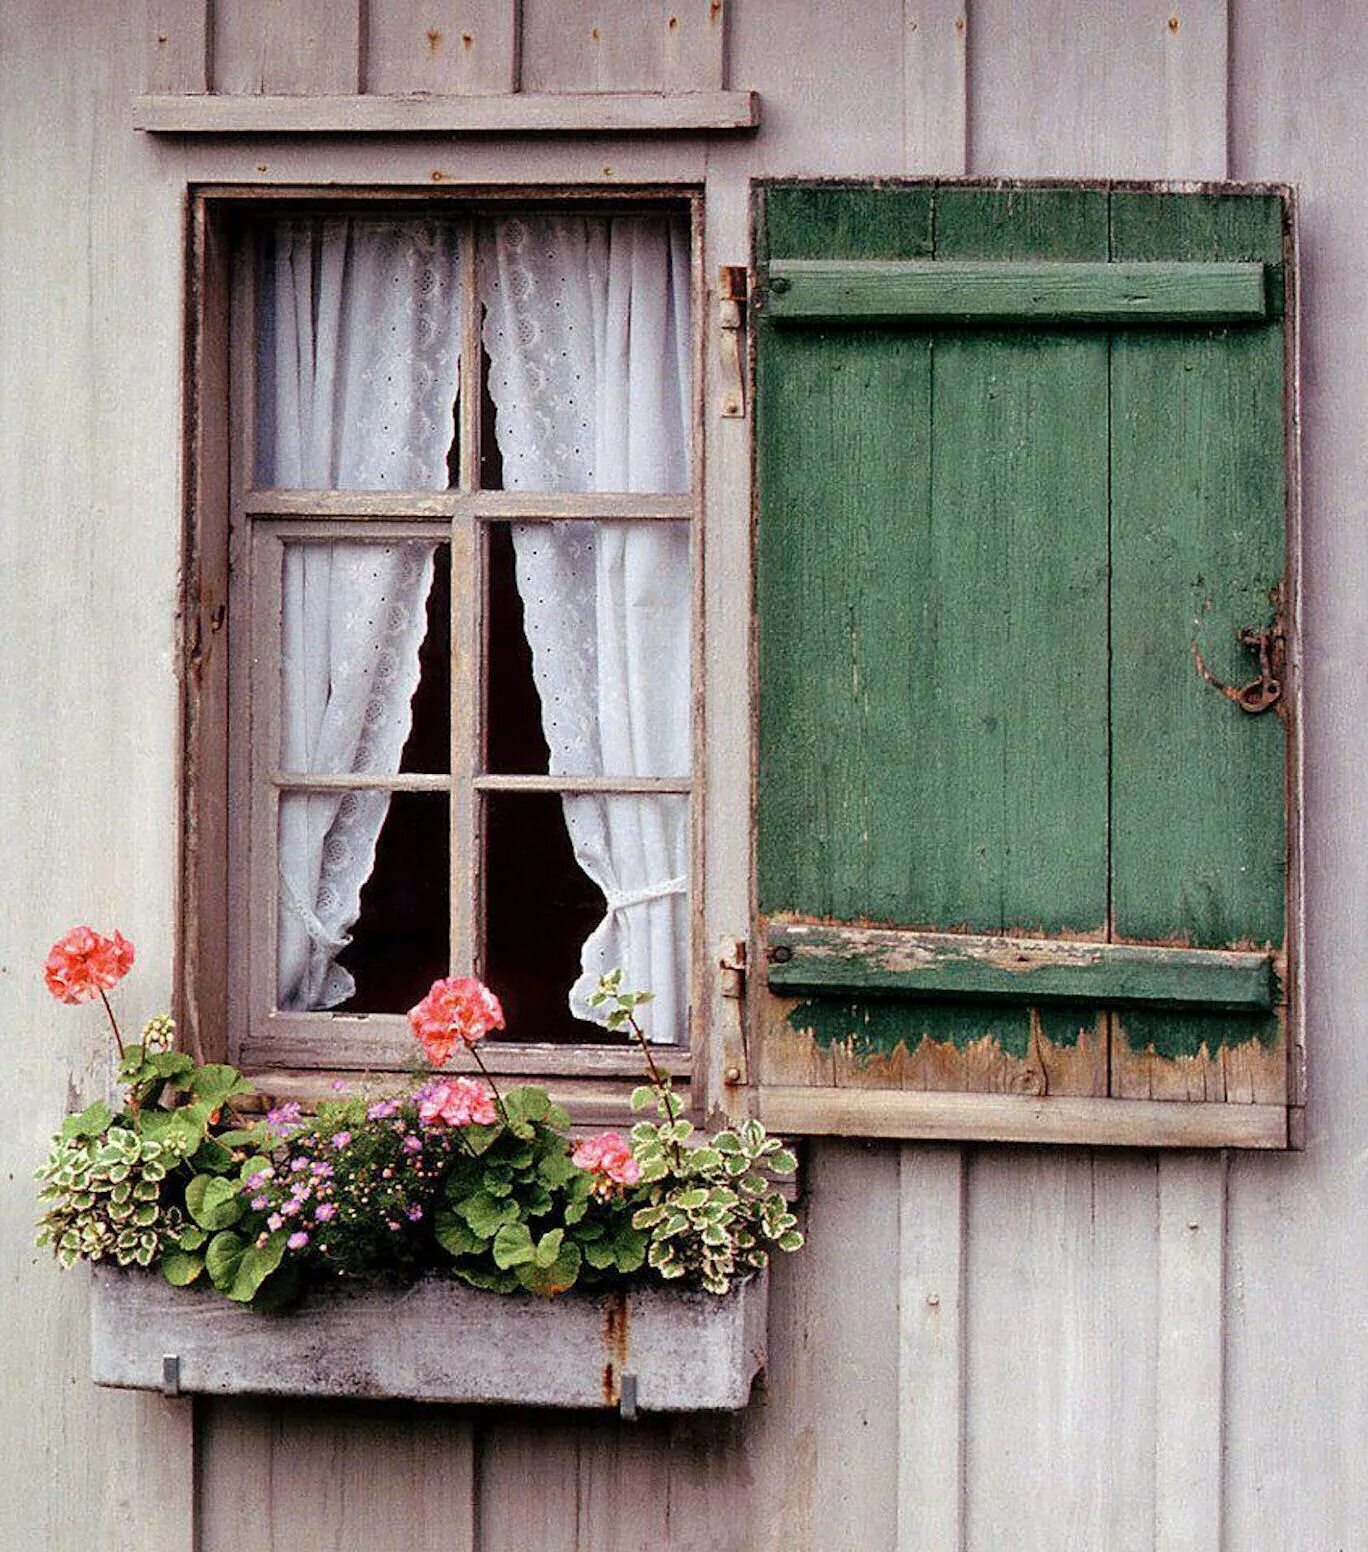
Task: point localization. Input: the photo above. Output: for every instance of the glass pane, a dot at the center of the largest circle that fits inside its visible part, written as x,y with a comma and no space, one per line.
364,895
587,328
554,867
590,635
358,329
365,661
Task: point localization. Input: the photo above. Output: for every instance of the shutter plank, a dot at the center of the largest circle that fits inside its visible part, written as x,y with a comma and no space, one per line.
858,961
1197,553
306,48
879,291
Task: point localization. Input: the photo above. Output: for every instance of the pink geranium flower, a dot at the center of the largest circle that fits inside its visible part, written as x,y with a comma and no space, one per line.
458,1010
456,1102
85,962
609,1158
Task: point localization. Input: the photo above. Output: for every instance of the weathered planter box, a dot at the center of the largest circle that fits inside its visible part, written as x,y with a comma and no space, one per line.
650,1349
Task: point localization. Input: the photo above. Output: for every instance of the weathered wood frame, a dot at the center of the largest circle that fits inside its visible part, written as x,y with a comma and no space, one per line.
219,978
801,1098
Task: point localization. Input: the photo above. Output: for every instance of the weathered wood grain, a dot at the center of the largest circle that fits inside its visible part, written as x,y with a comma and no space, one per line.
437,1341
1060,1344
338,113
277,1475
1071,1118
1190,1364
441,46
177,46
873,291
296,48
935,103
623,45
932,1244
817,958
1197,547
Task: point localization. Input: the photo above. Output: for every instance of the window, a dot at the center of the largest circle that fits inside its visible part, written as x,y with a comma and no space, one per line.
457,727
1024,871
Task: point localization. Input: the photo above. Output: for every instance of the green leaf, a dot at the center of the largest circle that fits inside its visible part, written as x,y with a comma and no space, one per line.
93,1121
191,1237
211,1155
455,1235
513,1246
629,1249
643,1097
793,1240
223,1258
782,1163
167,1064
485,1215
557,1277
480,1138
215,1083
549,1247
181,1129
256,1265
527,1104
240,1137
213,1202
484,1277
180,1269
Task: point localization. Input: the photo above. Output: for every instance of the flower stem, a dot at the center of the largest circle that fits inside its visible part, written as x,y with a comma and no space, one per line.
488,1077
113,1022
659,1082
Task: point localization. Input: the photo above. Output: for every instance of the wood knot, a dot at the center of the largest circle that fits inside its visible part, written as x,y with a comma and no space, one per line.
1173,23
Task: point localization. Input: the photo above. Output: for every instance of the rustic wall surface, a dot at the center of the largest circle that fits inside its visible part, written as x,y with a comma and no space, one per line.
982,1348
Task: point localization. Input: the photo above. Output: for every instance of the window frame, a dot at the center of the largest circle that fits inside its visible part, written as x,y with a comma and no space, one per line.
226,921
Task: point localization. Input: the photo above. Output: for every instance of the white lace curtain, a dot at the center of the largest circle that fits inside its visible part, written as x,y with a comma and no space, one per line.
587,329
358,380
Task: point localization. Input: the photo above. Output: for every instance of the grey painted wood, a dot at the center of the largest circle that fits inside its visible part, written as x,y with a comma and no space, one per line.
437,1341
1296,1343
623,45
287,47
177,46
443,46
271,110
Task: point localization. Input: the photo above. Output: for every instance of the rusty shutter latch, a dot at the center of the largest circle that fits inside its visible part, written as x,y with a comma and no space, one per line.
1265,691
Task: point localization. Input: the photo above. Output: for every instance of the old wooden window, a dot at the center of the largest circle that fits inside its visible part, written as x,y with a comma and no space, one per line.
1024,870
457,539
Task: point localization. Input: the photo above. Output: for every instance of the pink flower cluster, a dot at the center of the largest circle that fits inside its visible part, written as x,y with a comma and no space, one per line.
609,1158
458,1010
85,962
456,1102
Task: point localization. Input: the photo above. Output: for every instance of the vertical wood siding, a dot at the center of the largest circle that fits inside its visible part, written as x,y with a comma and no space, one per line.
981,1348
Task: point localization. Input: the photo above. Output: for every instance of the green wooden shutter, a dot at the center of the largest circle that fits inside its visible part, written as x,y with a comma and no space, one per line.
1020,466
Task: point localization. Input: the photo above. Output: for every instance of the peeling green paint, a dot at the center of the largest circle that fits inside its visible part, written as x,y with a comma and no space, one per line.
1170,1037
878,1028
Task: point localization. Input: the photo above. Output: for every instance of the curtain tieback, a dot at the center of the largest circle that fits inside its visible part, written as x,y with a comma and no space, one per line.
318,933
625,899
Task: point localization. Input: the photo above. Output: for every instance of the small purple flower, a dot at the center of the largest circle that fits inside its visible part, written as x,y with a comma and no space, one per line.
382,1109
297,1240
283,1115
260,1203
290,1208
297,1164
259,1179
414,1214
321,1169
413,1144
340,1139
299,1190
324,1211
274,1222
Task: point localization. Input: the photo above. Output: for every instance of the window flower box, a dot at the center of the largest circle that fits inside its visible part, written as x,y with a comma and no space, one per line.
646,1348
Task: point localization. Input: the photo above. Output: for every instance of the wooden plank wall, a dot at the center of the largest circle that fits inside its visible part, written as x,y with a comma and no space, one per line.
982,1347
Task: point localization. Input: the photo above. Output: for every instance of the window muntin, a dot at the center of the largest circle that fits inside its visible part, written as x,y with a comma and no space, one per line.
461,532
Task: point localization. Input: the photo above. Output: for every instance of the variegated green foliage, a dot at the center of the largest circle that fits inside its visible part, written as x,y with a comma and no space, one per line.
101,1191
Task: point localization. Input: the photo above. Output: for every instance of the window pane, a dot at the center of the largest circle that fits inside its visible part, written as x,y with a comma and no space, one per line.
364,895
582,881
589,339
365,675
358,327
590,633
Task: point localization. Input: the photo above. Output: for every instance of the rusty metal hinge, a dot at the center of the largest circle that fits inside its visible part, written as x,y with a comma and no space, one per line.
733,283
732,987
1259,694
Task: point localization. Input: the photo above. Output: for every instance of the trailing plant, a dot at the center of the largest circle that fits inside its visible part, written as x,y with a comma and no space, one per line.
449,1176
